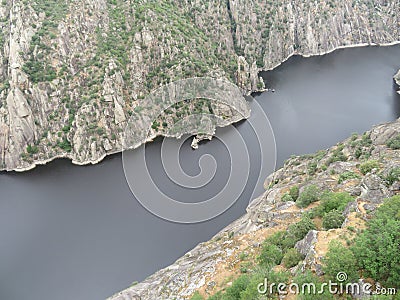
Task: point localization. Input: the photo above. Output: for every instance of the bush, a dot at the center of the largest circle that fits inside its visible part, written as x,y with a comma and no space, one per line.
291,258
271,254
65,145
340,259
286,197
394,143
368,166
377,248
337,155
312,168
392,176
309,195
282,239
348,175
299,230
276,238
239,285
333,219
332,201
32,149
294,192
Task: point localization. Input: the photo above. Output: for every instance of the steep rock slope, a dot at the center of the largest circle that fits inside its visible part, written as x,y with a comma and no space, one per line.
371,159
72,72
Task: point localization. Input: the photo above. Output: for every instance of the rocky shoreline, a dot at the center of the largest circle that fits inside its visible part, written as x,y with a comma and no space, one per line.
197,139
65,92
201,268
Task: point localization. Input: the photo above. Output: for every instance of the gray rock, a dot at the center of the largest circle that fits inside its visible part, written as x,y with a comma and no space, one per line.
373,189
306,245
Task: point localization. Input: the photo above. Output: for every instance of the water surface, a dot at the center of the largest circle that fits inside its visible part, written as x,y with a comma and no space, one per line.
70,232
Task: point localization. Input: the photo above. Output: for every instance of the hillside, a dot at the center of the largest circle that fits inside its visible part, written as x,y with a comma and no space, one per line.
73,72
332,195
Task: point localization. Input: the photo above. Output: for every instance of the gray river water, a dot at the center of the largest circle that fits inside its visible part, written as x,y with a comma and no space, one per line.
70,232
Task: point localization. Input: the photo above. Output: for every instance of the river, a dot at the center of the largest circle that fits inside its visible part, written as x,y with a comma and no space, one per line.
72,232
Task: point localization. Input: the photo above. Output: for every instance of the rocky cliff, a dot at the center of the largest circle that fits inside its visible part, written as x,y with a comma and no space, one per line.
366,167
397,80
72,72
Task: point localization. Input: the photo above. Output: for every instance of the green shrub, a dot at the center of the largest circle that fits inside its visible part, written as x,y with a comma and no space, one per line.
392,176
340,259
286,197
276,238
309,195
65,145
282,239
291,258
337,155
368,166
300,229
332,201
332,219
312,168
348,175
288,242
394,143
294,192
239,285
32,149
271,254
377,248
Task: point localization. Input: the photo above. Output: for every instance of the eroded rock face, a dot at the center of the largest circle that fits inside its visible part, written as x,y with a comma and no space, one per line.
199,268
397,80
72,73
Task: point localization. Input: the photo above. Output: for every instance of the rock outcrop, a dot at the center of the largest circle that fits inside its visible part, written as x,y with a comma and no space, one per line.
72,72
201,267
397,80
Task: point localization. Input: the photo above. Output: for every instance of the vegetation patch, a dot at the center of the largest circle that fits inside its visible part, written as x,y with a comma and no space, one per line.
348,175
394,143
309,195
368,166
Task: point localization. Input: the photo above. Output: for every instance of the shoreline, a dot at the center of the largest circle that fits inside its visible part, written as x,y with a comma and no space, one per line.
361,45
150,139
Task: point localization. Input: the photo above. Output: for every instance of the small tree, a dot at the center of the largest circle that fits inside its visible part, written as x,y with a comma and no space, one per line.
294,192
394,143
368,166
270,255
291,258
300,229
377,248
340,259
333,219
309,195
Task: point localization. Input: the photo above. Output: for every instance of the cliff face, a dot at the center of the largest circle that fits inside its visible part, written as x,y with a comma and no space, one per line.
72,72
397,80
346,167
